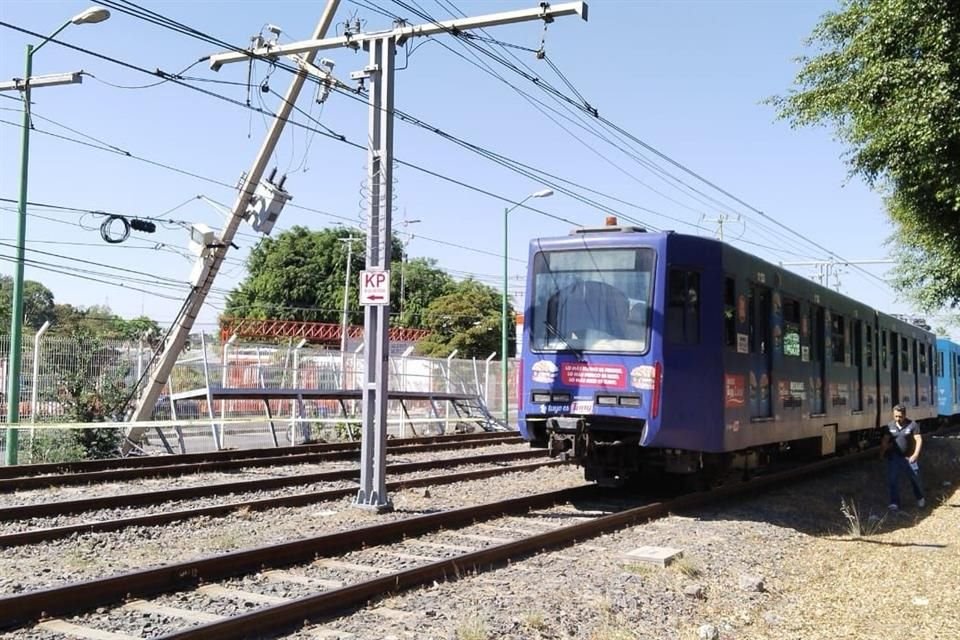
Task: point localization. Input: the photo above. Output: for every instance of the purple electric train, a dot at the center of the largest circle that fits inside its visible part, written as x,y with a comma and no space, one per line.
663,352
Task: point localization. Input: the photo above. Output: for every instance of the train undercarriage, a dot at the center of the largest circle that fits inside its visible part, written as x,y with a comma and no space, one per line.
612,456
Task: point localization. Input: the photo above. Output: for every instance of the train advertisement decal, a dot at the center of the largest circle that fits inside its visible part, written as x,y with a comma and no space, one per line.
735,391
593,375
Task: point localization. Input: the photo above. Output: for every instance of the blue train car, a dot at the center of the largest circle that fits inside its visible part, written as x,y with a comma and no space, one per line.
662,351
948,377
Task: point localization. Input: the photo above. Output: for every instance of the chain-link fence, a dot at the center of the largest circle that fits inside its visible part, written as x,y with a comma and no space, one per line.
53,367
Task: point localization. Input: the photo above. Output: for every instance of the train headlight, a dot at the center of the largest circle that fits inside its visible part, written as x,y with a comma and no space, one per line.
540,398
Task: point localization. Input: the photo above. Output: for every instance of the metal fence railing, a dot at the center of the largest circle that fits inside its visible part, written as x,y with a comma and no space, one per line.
52,366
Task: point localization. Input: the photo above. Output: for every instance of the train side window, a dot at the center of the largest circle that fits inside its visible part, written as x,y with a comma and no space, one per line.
791,327
883,349
923,358
939,363
730,312
683,308
837,338
868,347
904,354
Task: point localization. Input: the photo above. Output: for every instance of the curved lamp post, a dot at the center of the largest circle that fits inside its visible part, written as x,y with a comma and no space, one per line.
504,345
90,16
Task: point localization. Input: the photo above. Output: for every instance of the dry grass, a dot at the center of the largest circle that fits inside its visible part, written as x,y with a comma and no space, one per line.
534,620
856,526
473,628
901,580
612,629
688,566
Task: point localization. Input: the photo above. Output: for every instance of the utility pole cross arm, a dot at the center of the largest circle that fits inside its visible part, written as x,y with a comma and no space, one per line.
49,80
545,12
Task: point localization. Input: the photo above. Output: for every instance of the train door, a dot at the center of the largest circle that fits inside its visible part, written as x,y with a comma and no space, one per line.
858,365
953,376
816,385
761,346
916,373
895,368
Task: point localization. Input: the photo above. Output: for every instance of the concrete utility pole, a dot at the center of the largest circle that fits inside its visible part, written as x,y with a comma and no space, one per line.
196,298
380,74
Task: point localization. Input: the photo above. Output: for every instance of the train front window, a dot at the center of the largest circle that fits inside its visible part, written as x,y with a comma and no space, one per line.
592,300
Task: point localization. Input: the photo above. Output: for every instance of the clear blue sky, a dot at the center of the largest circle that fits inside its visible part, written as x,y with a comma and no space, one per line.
687,77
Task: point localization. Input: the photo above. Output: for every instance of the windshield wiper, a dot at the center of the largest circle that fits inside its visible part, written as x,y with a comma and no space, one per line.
556,333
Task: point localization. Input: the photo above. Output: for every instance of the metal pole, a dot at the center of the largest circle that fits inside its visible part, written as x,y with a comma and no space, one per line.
373,448
36,372
33,386
217,436
345,321
503,324
16,306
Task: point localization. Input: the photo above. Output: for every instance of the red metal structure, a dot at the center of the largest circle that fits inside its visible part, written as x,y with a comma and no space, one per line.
315,332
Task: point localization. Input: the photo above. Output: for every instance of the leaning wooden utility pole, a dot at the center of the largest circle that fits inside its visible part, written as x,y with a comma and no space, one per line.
380,74
213,258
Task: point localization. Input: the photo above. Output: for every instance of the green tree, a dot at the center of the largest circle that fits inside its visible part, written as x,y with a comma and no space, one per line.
423,282
94,391
886,75
466,319
38,306
100,321
299,275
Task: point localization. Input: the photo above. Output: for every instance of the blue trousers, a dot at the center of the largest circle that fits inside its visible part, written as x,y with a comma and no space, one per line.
897,465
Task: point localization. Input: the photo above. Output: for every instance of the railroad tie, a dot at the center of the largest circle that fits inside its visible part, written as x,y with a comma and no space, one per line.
175,612
440,545
348,566
216,591
87,633
293,578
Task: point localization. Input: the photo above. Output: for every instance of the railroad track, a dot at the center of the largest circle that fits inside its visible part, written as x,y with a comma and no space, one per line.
52,475
64,507
48,534
325,574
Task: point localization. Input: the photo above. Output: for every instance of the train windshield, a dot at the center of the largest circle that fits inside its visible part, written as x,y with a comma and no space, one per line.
592,300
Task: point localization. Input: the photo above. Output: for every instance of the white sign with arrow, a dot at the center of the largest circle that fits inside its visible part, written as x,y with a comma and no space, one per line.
375,287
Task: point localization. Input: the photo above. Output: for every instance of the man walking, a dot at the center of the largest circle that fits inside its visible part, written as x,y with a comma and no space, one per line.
900,445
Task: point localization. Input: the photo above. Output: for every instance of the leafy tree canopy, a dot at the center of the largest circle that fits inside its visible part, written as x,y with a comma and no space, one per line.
886,75
299,275
466,319
39,306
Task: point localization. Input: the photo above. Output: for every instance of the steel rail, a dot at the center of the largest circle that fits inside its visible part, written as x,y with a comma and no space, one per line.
38,510
168,471
298,500
31,606
85,466
321,606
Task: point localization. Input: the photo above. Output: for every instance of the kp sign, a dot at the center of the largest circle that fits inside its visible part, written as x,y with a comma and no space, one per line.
375,287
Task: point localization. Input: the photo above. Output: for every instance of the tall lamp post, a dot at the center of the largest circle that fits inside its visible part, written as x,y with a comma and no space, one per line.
90,16
504,345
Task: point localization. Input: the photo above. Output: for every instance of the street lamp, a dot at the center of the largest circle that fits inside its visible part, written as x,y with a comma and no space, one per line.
504,364
90,16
